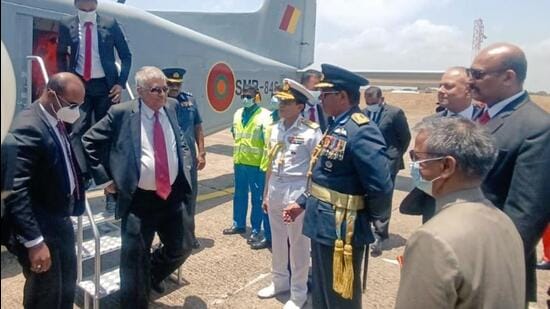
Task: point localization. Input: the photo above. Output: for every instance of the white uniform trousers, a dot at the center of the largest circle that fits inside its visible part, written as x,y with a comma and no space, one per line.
287,239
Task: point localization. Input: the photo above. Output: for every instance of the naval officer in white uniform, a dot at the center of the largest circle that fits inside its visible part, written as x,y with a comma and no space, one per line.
291,143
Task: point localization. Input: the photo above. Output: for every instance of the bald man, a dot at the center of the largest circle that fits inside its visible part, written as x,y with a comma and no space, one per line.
518,182
47,190
455,96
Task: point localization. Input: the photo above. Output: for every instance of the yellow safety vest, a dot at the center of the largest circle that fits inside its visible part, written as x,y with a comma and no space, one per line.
250,139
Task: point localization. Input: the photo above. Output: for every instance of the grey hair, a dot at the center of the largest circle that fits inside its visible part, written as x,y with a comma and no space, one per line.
470,145
146,73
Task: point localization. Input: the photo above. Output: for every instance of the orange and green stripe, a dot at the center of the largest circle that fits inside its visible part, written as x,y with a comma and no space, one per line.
290,19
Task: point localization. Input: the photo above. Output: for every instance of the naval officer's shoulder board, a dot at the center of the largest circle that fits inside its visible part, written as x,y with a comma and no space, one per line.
310,124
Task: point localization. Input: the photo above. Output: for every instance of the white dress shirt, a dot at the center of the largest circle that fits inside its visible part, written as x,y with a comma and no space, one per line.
316,111
52,121
97,68
496,108
147,180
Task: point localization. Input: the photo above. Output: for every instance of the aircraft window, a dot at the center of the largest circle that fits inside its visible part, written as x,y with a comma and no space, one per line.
44,44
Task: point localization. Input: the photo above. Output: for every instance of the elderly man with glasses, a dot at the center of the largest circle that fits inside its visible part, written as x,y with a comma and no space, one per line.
148,166
469,255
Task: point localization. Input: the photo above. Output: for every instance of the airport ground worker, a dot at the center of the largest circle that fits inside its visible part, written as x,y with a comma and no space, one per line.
249,130
190,122
289,148
350,174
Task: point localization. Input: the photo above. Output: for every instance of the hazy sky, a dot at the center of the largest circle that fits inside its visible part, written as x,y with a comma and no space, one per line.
410,34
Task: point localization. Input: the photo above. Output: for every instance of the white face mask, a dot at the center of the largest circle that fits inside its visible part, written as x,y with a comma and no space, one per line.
418,180
273,104
374,108
84,16
315,94
68,114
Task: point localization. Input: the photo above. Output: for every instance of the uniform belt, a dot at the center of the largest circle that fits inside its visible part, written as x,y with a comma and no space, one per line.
337,199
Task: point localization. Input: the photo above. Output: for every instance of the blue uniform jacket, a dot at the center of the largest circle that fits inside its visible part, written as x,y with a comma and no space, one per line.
353,161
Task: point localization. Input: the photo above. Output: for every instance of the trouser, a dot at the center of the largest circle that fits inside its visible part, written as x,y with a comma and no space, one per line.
323,295
95,106
55,288
288,242
382,225
546,244
250,179
192,197
138,266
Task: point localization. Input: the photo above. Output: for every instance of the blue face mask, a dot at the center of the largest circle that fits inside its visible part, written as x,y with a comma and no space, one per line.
248,102
418,180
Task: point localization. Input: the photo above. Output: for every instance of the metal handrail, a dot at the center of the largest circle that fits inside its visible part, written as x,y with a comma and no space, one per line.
42,66
130,93
97,253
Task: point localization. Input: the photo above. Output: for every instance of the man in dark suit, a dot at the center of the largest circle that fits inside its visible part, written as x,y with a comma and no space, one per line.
151,184
314,111
518,182
455,98
47,190
393,125
86,47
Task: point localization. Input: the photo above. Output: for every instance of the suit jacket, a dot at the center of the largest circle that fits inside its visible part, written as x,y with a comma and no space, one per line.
118,135
110,37
446,265
518,182
41,189
392,122
443,113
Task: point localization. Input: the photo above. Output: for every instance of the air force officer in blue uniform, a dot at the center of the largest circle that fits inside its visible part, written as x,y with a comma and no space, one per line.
350,175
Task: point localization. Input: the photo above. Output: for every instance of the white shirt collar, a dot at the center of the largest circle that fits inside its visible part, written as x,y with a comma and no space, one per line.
51,119
468,112
496,108
150,113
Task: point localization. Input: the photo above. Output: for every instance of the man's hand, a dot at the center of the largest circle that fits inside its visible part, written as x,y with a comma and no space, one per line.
39,257
265,205
111,188
115,93
291,212
201,161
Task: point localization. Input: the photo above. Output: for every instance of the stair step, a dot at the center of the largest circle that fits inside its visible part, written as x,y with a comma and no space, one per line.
109,283
108,243
99,218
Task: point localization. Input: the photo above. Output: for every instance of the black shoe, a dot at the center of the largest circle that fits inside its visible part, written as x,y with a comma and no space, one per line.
262,244
544,265
158,286
254,237
196,244
376,248
234,230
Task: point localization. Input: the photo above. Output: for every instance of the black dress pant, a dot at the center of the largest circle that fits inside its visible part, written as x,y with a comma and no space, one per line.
54,289
382,225
138,266
323,296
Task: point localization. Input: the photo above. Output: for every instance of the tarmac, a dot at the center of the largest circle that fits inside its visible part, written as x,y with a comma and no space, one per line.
226,273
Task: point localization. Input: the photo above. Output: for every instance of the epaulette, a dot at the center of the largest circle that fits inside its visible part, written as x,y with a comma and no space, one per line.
310,124
360,119
189,94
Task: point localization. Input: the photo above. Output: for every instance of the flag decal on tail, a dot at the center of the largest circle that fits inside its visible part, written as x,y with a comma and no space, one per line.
290,19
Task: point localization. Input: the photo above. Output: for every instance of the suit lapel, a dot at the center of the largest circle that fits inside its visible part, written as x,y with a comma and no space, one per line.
496,122
102,33
135,125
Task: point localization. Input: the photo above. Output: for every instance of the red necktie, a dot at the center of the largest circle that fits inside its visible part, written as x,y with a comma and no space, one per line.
312,113
162,173
87,74
61,128
484,118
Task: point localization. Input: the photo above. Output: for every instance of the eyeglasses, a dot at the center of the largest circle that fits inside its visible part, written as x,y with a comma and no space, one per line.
325,93
158,90
478,74
414,155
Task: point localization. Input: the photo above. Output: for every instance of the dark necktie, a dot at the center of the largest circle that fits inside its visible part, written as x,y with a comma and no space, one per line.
65,141
87,74
162,173
484,118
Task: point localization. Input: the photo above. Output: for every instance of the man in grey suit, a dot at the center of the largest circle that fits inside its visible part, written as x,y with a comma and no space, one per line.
455,98
518,182
148,167
393,125
469,255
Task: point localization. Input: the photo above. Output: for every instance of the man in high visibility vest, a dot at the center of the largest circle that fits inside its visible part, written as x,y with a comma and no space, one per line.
249,127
